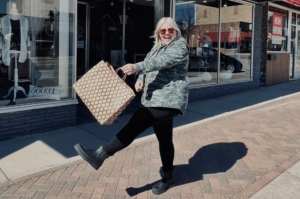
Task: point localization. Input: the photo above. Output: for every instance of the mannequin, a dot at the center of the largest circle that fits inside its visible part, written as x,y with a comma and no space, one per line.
6,26
14,30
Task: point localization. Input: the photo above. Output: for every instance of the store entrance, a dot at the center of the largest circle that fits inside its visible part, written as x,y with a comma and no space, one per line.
295,47
297,54
100,32
100,36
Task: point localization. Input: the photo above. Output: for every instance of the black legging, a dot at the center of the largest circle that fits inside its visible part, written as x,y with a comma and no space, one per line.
162,121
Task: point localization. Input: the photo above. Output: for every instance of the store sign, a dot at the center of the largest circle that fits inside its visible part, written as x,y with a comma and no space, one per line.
293,2
277,29
44,92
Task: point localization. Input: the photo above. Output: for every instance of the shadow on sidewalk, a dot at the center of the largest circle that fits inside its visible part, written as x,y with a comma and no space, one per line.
210,159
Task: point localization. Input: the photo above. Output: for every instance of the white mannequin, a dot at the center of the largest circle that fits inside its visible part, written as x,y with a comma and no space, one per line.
14,15
14,10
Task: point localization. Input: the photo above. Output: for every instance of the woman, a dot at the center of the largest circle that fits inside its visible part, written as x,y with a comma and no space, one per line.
165,95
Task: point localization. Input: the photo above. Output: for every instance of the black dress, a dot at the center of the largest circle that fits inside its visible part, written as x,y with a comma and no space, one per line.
15,41
15,44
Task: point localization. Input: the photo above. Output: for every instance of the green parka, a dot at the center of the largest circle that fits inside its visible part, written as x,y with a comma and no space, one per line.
163,73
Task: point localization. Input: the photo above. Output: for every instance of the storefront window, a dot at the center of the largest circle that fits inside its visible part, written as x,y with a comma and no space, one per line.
199,27
236,42
199,23
278,29
36,50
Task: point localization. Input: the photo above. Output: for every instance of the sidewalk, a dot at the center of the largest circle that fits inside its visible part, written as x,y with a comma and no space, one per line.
226,147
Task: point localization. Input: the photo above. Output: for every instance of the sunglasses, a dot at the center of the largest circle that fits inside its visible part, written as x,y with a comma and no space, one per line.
163,31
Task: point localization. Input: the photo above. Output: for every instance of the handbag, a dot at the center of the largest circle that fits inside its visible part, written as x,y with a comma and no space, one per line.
104,93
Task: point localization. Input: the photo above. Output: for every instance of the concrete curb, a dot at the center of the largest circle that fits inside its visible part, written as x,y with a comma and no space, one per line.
267,178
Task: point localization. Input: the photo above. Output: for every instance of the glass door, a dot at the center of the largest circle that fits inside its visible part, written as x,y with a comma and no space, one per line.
293,51
295,47
117,32
99,34
81,39
297,59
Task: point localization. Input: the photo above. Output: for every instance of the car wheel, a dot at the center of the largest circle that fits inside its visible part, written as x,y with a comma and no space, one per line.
231,68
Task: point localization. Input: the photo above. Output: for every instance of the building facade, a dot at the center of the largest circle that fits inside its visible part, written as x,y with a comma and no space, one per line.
46,45
283,41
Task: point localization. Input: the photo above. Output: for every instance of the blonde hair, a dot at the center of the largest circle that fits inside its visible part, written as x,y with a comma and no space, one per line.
169,20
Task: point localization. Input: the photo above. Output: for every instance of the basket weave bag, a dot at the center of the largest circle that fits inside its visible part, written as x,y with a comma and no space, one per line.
104,93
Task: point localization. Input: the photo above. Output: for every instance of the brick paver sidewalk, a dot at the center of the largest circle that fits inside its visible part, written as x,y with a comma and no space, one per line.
230,157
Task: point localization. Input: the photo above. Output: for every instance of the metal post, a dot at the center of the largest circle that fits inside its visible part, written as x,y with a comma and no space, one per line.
158,11
87,38
289,31
74,68
171,8
174,9
219,42
16,79
296,51
123,36
252,42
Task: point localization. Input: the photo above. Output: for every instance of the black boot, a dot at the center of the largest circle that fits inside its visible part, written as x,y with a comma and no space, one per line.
166,182
94,157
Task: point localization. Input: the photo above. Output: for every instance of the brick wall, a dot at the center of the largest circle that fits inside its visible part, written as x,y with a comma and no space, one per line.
23,123
207,92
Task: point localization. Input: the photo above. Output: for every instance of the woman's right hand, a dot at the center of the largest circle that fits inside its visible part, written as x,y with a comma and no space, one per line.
139,86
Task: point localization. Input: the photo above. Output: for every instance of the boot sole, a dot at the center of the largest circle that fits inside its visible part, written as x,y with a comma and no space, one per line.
171,184
84,156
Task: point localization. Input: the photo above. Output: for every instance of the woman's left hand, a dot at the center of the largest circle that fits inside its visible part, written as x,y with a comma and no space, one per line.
129,69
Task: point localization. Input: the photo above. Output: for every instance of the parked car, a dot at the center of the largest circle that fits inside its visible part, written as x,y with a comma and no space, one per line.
210,63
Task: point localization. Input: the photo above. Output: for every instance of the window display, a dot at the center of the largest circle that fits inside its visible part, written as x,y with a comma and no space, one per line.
199,23
36,50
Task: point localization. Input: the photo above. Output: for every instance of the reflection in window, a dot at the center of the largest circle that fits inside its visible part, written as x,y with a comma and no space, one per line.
236,35
199,23
293,51
236,10
294,18
297,64
205,13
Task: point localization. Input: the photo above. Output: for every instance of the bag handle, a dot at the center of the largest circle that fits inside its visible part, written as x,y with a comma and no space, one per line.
117,70
124,75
